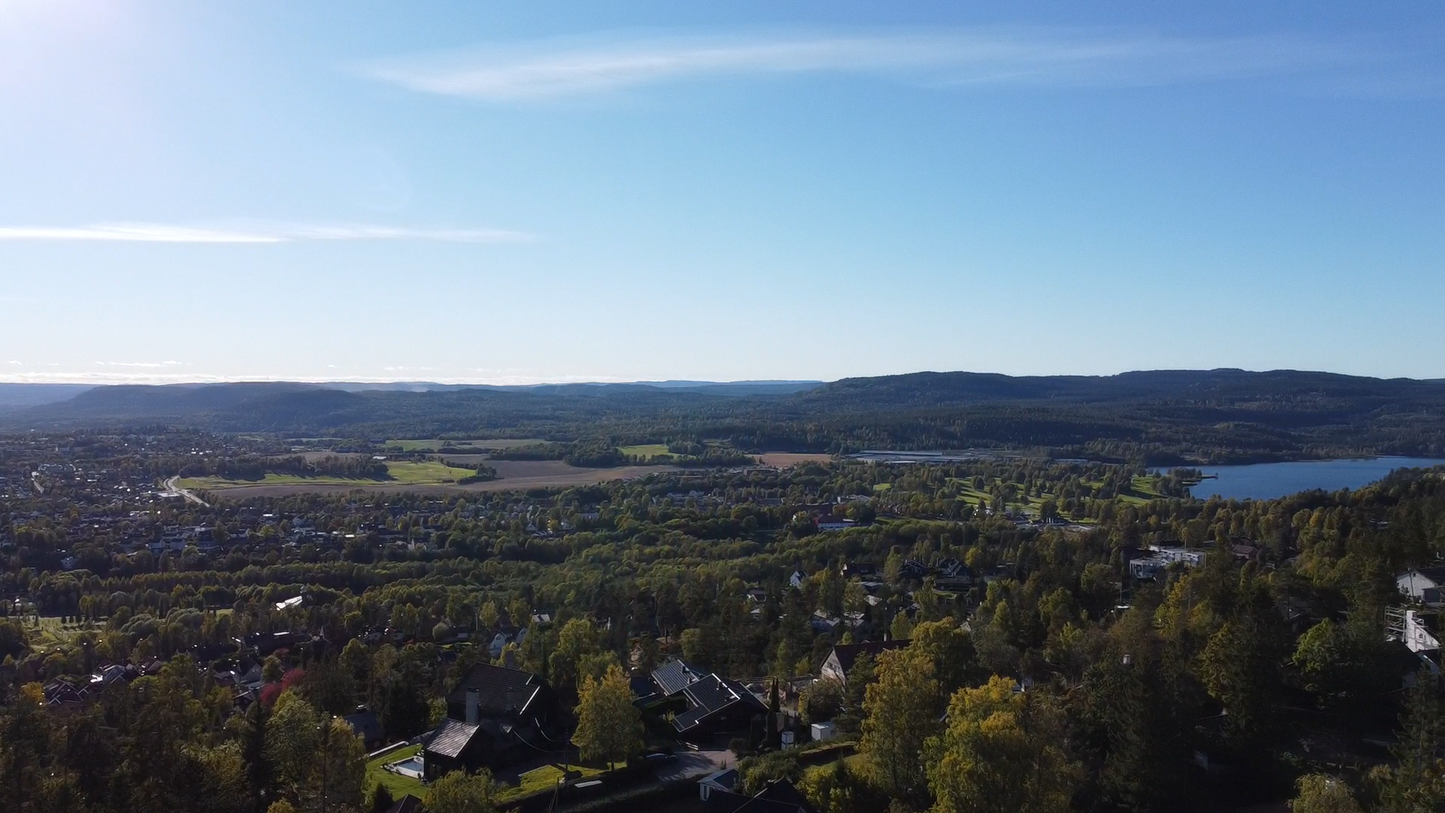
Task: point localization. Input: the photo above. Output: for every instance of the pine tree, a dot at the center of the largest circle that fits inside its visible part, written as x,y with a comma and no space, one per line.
1416,783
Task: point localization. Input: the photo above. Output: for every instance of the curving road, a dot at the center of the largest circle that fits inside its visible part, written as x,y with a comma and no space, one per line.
173,486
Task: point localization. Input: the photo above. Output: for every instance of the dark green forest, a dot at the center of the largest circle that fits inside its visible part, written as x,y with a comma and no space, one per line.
1161,417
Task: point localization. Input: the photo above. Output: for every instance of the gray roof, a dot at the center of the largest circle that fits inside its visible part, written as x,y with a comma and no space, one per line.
848,653
451,738
1434,574
365,724
674,676
501,691
711,695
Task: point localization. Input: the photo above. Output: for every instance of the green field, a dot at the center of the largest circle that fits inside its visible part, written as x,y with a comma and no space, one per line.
52,632
402,473
395,783
647,451
479,444
1144,493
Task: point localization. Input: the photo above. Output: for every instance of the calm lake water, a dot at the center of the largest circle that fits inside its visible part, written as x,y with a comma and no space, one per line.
1266,481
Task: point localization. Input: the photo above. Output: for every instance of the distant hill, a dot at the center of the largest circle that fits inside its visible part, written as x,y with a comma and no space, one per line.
1161,416
582,388
13,396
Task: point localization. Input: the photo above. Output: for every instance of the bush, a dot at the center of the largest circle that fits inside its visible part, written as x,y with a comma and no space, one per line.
821,701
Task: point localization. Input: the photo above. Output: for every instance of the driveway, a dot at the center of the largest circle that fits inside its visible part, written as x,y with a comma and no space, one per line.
692,765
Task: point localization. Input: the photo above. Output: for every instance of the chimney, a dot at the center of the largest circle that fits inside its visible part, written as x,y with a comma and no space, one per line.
473,703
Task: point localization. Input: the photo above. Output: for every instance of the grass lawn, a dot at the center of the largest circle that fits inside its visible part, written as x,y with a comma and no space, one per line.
854,761
647,450
402,473
537,780
428,472
395,783
51,632
545,778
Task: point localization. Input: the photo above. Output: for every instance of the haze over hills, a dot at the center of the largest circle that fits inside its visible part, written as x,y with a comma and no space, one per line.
1161,415
16,396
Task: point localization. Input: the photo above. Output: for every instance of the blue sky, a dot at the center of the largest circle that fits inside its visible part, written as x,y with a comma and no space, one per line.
595,191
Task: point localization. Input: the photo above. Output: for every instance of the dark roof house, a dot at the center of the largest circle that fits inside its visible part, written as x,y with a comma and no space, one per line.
406,804
714,703
780,796
495,717
499,691
367,726
674,676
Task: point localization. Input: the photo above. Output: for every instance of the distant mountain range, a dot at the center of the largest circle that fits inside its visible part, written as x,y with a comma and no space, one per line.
15,396
1166,414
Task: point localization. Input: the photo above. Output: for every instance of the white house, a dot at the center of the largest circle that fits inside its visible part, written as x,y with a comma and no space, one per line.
1174,553
1421,634
1423,585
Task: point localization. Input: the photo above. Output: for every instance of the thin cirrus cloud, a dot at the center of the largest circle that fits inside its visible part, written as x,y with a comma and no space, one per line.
1042,57
172,233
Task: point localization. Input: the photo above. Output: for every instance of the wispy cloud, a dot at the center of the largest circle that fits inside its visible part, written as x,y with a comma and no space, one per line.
151,364
1056,57
263,233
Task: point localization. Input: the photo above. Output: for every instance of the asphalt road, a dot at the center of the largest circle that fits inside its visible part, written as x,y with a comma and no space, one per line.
173,486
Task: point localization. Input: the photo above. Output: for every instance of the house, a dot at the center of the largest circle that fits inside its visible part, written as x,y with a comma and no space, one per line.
954,575
913,569
1423,585
367,726
714,703
1246,550
498,643
1421,632
725,780
1176,553
406,804
495,716
454,745
1147,568
780,796
823,623
840,661
674,676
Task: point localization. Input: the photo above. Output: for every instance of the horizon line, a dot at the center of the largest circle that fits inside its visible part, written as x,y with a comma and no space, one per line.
105,380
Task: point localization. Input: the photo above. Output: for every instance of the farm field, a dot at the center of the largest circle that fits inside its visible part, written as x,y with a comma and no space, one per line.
647,450
481,444
555,474
783,460
403,473
513,474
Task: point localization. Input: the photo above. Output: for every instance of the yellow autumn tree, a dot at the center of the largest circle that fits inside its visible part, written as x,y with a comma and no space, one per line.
998,753
609,727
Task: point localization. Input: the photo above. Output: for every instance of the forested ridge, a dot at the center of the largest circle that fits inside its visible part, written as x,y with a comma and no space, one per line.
1159,417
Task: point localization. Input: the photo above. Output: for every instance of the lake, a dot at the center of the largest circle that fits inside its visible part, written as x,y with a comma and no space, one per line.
1266,481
